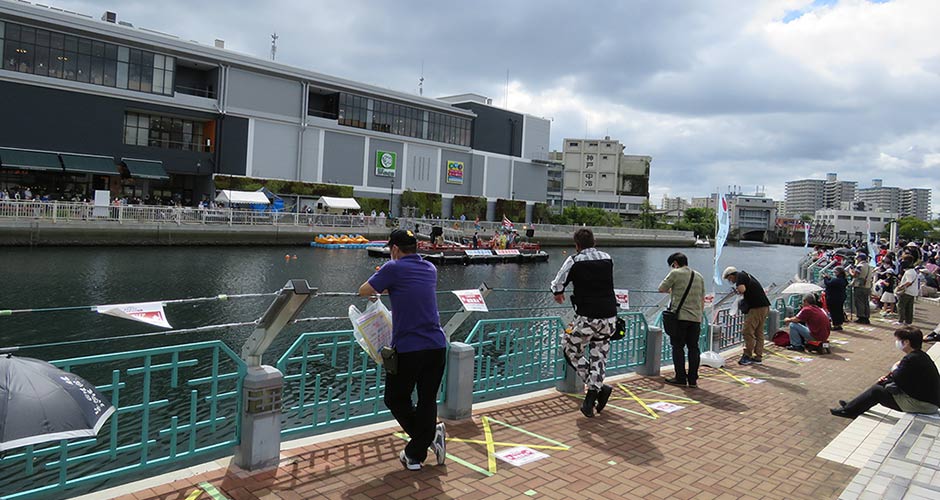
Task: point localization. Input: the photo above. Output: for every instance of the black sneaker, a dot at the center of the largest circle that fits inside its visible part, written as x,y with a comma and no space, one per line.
745,361
407,462
439,445
693,385
675,381
603,396
796,348
757,361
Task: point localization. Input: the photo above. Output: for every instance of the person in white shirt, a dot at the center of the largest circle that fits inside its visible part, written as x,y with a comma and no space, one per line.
908,288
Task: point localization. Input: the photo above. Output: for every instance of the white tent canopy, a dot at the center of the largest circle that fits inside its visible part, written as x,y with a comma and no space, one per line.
330,203
253,197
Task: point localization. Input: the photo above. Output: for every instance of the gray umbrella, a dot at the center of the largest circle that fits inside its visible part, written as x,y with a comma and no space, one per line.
40,403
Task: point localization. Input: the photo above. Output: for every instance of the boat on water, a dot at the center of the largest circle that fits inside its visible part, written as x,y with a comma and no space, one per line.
448,253
344,241
702,243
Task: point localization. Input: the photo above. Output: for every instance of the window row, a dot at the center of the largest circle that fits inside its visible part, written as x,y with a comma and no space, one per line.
398,119
44,53
165,132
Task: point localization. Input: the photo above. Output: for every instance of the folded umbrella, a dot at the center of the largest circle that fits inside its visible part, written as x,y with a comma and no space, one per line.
40,403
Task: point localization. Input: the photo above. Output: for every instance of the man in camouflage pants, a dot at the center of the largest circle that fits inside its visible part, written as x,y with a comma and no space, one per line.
592,274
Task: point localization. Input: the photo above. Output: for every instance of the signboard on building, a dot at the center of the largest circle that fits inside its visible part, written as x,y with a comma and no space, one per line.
385,163
455,172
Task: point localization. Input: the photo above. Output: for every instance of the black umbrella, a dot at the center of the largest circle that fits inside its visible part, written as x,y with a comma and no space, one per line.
40,403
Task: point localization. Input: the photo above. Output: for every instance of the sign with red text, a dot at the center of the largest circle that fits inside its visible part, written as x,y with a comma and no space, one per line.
472,300
623,298
145,312
520,455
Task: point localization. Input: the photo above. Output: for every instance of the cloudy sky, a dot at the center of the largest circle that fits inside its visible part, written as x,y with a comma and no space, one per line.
718,92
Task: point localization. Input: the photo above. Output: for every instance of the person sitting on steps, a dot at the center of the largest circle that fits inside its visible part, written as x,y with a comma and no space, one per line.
811,323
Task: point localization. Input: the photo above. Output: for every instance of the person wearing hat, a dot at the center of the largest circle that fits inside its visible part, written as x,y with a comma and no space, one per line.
420,344
756,306
861,288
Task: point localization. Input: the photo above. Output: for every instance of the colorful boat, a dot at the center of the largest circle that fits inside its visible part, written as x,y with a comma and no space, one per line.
523,253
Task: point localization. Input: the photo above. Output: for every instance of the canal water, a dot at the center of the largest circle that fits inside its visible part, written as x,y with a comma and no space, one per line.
79,276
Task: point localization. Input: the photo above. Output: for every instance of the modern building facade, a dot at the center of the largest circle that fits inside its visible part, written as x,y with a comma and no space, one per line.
848,225
915,202
597,174
880,197
677,204
805,196
148,115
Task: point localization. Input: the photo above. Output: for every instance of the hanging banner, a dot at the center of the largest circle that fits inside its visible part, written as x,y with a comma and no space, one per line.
145,312
722,234
472,300
806,235
455,172
623,298
872,251
385,163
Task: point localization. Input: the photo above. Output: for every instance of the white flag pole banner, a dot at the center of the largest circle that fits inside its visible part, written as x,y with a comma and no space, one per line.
145,312
871,244
472,300
623,298
372,328
806,235
722,234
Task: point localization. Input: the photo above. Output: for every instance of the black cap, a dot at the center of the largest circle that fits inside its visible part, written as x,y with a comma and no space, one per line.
402,238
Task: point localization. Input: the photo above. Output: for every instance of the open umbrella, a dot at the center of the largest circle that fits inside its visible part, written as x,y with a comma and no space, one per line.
801,288
40,403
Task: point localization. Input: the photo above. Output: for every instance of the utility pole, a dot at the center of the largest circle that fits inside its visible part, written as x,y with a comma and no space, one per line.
274,38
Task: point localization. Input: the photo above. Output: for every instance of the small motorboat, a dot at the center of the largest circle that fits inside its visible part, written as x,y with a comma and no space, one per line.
702,243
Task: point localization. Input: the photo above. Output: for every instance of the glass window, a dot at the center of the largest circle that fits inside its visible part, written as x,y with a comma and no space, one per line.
168,82
123,54
42,38
12,32
110,72
84,68
69,65
71,43
84,46
133,77
97,71
41,63
146,78
28,35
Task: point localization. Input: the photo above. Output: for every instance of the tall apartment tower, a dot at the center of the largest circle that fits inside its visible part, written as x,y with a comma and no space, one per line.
915,202
805,196
880,197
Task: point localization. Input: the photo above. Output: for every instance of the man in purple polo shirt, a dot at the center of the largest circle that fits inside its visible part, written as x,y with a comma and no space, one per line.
419,341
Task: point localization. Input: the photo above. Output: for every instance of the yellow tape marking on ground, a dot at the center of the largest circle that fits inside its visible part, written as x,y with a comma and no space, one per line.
788,358
683,399
649,410
459,460
193,495
501,443
490,449
736,379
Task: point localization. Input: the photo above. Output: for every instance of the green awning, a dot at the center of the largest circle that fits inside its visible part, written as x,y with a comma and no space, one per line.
101,165
29,160
145,169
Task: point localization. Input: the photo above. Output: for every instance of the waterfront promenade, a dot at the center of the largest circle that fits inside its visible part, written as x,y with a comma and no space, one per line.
734,437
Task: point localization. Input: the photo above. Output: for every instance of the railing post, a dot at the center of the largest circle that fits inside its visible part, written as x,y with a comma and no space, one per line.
572,383
260,441
773,322
654,352
458,394
717,331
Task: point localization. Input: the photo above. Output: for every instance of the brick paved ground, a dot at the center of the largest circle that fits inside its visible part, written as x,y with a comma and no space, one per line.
758,441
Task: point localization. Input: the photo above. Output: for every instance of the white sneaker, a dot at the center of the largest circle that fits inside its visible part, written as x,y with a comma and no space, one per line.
439,445
407,462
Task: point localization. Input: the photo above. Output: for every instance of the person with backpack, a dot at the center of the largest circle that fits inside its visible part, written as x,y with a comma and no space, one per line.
595,307
687,299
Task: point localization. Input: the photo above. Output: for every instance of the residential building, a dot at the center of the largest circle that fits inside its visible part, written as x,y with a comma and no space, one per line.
805,196
703,202
915,202
880,197
781,207
145,114
752,217
598,174
677,204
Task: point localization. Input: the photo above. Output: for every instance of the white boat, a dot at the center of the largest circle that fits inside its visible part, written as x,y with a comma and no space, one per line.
702,244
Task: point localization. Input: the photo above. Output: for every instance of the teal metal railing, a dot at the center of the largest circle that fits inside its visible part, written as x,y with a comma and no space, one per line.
704,340
331,383
173,404
523,354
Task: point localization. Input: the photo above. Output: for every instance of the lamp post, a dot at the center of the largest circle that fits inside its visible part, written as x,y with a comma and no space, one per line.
391,192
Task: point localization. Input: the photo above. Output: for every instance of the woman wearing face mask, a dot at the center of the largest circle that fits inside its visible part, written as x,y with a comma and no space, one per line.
912,385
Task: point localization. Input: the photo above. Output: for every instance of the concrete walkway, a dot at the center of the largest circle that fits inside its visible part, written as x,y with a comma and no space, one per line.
747,432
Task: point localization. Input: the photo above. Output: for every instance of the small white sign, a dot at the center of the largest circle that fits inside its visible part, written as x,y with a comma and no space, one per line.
839,342
472,300
623,298
752,380
145,312
512,251
520,455
478,252
802,359
665,407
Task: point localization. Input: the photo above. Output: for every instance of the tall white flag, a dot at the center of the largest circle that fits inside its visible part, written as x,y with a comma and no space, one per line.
805,234
722,234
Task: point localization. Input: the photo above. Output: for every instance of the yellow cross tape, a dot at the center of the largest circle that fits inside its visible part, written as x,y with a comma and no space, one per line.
193,495
501,443
490,449
638,400
736,379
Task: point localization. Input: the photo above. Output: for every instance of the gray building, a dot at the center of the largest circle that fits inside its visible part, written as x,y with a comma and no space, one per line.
880,197
805,196
146,114
597,174
915,202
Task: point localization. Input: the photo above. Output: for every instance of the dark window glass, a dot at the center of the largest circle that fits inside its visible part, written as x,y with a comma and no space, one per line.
9,55
12,32
56,61
110,72
69,65
28,35
97,49
146,77
135,56
42,38
71,43
57,41
24,59
110,51
41,62
97,71
84,46
133,77
83,71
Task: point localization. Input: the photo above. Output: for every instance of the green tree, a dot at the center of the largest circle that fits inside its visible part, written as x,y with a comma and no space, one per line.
648,219
699,220
806,218
587,216
912,228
